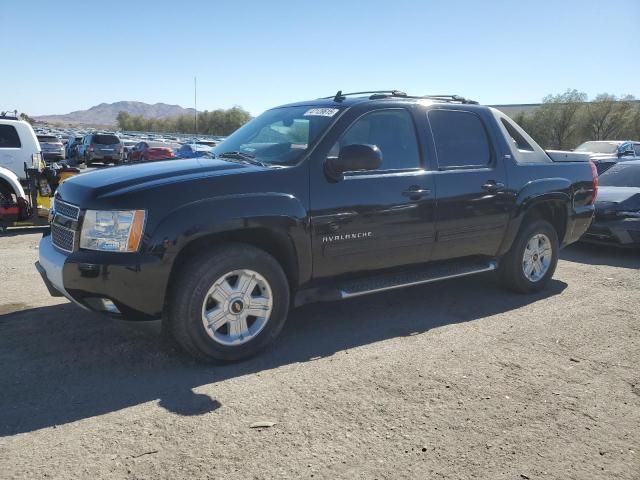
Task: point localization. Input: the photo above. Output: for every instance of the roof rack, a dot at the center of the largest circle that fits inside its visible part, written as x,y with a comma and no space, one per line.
376,94
6,115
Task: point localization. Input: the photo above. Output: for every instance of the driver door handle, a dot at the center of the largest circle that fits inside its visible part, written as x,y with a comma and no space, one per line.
492,186
416,193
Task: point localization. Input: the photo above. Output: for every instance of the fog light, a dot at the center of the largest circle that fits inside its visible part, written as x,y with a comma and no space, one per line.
109,307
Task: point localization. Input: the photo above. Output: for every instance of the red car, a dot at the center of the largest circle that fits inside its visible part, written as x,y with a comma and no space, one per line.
150,151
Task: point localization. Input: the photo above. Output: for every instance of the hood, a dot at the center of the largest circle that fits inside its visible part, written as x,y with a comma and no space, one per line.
611,200
127,178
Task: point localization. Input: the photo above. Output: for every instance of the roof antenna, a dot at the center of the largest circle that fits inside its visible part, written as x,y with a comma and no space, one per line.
339,97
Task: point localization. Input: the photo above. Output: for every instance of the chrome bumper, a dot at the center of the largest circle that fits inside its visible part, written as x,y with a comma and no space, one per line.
50,264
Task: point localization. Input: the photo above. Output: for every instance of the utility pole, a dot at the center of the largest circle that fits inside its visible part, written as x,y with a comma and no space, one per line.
195,103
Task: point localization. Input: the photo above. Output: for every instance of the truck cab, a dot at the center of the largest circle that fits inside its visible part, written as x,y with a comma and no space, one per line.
18,145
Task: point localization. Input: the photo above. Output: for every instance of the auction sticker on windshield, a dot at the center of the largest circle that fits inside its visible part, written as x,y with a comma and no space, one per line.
321,112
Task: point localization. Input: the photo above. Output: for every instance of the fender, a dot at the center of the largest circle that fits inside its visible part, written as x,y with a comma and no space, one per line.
534,193
282,213
13,181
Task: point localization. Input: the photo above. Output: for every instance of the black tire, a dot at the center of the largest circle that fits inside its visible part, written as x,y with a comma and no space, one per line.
511,271
197,276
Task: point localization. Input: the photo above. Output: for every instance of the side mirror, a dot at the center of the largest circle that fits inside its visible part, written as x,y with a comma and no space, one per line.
354,158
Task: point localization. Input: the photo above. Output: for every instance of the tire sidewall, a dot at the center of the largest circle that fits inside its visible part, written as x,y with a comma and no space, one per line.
207,272
514,272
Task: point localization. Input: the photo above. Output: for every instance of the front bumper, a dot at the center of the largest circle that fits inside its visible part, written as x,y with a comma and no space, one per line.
49,265
133,285
623,232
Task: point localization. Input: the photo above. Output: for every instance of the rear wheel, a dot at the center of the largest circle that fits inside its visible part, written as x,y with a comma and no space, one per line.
229,304
532,259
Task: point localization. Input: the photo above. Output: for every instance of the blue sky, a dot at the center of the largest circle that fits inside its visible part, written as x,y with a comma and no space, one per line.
67,55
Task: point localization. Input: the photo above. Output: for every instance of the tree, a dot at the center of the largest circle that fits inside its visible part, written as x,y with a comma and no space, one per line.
27,118
606,116
217,122
557,118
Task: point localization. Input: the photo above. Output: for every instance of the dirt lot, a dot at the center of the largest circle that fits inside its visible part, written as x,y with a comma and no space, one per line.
455,380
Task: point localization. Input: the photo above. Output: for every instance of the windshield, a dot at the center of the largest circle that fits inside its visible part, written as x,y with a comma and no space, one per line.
279,136
106,139
624,174
598,147
48,139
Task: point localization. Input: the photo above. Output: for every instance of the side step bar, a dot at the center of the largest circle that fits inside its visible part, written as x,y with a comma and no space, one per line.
428,274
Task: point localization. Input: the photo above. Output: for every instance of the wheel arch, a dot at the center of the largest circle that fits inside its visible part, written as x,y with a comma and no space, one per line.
275,242
552,207
10,180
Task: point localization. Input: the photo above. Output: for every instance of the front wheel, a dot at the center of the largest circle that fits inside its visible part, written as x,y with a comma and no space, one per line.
532,259
228,304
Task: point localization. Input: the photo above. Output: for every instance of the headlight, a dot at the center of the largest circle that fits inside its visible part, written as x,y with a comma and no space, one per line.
112,230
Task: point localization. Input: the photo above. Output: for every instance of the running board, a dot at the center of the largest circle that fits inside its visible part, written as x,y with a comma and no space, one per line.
428,274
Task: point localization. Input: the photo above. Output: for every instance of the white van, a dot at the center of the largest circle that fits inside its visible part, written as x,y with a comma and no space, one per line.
18,145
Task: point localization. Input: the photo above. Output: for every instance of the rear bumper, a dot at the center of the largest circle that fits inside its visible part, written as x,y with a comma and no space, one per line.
53,155
105,156
578,224
624,232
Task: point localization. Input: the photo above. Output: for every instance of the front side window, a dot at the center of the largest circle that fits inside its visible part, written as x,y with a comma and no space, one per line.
9,137
392,131
281,135
460,139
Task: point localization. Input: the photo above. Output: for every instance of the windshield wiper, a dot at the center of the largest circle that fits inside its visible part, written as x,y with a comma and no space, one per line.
244,157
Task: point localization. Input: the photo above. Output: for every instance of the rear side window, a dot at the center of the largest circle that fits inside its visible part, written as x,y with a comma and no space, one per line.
106,139
460,139
392,131
637,149
516,137
9,137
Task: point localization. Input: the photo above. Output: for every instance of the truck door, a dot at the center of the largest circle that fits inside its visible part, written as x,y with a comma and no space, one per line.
10,152
372,220
473,202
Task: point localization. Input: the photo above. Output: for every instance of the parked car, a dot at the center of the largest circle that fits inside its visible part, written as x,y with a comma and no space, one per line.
52,147
207,143
71,150
618,150
320,200
18,145
100,147
150,151
192,151
127,145
617,214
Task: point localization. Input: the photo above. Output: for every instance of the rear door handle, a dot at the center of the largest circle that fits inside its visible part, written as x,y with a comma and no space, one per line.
415,193
491,186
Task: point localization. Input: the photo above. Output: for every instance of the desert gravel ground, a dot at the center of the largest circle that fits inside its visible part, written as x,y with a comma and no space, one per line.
454,380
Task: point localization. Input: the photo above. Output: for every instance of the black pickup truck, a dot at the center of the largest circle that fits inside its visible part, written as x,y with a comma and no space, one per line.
314,201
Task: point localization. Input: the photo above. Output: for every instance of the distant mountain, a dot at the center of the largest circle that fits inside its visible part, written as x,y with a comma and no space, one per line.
106,113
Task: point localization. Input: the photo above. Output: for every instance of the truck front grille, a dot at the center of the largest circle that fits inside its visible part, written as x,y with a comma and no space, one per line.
63,238
66,209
